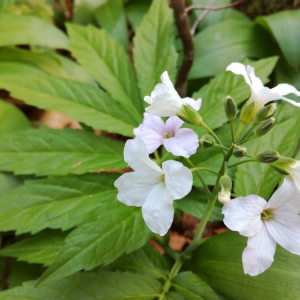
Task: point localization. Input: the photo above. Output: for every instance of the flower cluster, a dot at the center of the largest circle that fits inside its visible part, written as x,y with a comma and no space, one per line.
154,186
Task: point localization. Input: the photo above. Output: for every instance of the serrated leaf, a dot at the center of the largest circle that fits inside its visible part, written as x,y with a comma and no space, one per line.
110,16
81,101
219,262
40,249
226,83
193,287
58,152
145,261
260,179
136,10
154,49
57,203
9,182
174,296
221,44
284,26
118,229
90,286
29,30
107,62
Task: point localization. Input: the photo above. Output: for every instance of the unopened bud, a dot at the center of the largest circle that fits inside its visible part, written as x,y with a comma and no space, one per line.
268,156
226,183
264,127
239,151
247,112
279,169
224,197
286,161
230,108
207,141
192,115
265,113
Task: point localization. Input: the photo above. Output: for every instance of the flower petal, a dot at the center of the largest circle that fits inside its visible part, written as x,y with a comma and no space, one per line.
195,104
165,79
285,229
258,256
239,69
158,211
173,124
178,179
294,170
184,143
135,187
256,83
151,131
243,214
136,155
286,198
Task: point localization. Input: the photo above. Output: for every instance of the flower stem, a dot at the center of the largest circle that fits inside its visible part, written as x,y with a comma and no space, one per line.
232,132
248,132
157,157
247,139
203,169
239,131
241,162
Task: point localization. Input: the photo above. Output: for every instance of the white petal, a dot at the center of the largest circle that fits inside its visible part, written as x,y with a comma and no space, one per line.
258,256
256,83
196,104
243,214
285,229
136,155
151,131
286,198
178,179
158,211
173,124
185,143
295,173
239,69
135,187
165,79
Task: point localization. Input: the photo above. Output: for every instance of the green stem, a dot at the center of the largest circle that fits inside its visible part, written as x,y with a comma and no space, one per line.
241,162
248,132
221,146
199,176
247,139
232,132
203,169
157,157
239,131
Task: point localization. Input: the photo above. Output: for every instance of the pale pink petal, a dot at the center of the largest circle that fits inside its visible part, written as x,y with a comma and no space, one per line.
195,104
173,124
285,199
258,256
178,179
151,131
243,214
285,229
185,143
136,155
135,187
158,211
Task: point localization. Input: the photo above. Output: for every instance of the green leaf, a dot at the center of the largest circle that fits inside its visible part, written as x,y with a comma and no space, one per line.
84,10
23,30
80,101
260,179
227,83
11,118
50,63
232,40
118,229
284,26
90,286
154,49
136,10
9,182
195,205
58,152
40,249
193,287
145,261
110,16
219,262
174,296
4,4
58,203
107,62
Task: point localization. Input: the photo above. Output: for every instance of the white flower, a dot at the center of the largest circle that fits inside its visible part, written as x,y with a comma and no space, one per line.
165,101
265,224
179,141
152,188
260,94
294,170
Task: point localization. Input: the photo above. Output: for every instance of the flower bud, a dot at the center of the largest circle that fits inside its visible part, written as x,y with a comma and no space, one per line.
247,112
225,192
265,113
239,151
264,127
279,169
207,141
230,108
192,115
268,156
286,161
224,197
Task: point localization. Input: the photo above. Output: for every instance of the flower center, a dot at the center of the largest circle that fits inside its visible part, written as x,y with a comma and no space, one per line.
162,178
267,215
168,135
